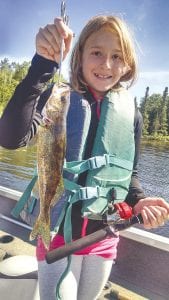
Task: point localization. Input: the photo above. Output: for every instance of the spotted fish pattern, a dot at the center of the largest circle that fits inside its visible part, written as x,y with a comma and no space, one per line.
51,148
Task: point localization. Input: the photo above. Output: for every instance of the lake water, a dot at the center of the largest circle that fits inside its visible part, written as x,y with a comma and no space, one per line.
16,169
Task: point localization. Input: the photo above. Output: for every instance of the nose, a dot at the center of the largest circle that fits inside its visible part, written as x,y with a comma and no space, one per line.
107,62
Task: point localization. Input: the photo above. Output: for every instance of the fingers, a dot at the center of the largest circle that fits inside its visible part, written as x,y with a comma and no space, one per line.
46,44
65,33
50,38
150,201
61,28
162,203
157,201
154,216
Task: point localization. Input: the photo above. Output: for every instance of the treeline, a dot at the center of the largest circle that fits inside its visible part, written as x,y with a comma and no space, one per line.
11,73
155,111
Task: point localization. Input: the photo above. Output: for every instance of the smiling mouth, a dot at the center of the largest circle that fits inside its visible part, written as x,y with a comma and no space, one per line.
102,76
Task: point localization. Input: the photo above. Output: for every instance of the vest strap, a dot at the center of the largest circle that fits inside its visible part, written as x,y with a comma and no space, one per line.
58,296
90,192
25,196
77,167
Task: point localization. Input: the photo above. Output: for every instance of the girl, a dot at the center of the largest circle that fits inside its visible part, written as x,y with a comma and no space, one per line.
103,58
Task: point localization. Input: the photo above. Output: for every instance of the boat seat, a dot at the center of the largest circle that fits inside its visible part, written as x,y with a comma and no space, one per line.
19,278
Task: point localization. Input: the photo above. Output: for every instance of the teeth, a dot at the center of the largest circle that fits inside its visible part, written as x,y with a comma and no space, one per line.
102,76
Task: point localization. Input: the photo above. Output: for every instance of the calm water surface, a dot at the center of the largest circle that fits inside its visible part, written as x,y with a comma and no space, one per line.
16,169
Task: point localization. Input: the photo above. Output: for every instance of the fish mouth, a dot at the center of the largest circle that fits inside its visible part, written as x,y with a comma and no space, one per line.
62,92
63,88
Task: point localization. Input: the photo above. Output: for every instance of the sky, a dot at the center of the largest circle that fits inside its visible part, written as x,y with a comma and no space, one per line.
20,20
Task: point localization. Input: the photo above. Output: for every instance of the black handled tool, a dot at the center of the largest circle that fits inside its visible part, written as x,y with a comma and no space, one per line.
90,239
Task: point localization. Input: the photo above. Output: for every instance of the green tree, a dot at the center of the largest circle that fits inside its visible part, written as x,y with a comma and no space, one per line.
10,75
144,112
20,71
155,111
163,130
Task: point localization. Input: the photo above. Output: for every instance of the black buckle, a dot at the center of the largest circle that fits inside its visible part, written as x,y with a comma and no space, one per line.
113,194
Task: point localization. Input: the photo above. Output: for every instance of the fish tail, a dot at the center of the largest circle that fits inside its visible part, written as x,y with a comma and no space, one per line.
41,228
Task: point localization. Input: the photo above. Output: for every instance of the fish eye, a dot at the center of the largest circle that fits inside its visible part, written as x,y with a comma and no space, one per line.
63,98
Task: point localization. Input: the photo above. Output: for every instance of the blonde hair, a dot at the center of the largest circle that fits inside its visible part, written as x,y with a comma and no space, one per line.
116,25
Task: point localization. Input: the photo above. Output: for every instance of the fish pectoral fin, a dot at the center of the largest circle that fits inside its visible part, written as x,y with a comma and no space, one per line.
59,192
41,228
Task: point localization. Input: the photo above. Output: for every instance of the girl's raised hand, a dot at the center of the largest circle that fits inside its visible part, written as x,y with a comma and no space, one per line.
49,39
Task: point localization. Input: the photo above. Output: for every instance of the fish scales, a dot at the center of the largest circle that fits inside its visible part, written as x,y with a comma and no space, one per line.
51,148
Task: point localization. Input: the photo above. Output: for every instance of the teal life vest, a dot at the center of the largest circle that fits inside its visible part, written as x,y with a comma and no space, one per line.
110,167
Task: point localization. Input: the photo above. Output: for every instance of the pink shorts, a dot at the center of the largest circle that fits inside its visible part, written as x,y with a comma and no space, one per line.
106,248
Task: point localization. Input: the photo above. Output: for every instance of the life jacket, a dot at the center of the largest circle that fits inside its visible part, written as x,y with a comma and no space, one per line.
110,167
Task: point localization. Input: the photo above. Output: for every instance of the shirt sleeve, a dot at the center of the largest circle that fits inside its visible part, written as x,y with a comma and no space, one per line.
21,116
135,190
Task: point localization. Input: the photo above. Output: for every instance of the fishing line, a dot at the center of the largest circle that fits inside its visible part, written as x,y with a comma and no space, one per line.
65,20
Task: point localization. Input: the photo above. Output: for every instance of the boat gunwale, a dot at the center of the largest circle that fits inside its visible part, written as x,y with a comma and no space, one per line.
136,234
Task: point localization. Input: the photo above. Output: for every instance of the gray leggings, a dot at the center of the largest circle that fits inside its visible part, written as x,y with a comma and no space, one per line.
85,280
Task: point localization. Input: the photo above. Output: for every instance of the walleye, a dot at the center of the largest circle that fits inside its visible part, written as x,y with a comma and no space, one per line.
51,148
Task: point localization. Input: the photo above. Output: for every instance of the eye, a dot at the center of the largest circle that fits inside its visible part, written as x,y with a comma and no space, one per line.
116,57
96,53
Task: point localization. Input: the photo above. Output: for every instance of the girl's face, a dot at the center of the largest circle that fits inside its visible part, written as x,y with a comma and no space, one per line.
102,61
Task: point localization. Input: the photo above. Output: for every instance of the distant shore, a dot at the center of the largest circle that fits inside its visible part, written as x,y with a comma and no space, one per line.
155,139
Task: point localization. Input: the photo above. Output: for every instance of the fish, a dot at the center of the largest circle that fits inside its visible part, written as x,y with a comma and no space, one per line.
51,150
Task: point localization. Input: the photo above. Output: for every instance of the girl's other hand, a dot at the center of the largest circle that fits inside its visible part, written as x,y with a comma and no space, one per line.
155,211
49,40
